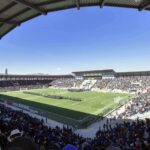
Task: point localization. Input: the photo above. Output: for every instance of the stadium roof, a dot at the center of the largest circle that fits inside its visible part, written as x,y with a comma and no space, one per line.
36,75
134,73
94,71
14,12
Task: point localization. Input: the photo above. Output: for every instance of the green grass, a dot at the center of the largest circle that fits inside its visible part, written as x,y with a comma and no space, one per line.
74,113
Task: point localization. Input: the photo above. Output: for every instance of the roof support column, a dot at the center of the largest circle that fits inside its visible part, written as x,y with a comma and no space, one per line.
12,22
31,6
102,3
77,2
144,4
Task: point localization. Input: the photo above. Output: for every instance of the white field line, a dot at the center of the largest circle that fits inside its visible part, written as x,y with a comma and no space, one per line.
76,110
44,110
30,98
87,101
62,116
96,112
105,107
100,110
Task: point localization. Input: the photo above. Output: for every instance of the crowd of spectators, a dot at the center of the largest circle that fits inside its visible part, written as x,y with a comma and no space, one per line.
102,83
138,105
127,135
133,135
129,83
66,83
137,83
22,84
119,83
43,136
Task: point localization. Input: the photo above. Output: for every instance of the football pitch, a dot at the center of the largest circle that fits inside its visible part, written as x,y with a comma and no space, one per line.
67,111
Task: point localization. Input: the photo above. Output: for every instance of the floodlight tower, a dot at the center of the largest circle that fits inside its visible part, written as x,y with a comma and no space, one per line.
6,71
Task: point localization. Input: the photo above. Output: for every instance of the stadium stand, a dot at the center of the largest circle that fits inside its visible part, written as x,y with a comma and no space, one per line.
102,84
139,105
88,84
43,136
101,79
129,83
115,134
17,82
63,83
107,80
125,136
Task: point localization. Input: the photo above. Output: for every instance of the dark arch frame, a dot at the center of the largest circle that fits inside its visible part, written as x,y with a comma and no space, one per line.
15,12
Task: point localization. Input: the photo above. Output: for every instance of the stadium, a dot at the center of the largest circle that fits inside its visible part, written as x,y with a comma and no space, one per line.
79,99
91,109
70,99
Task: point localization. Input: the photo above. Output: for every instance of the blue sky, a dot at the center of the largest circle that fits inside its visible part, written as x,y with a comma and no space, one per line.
72,40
